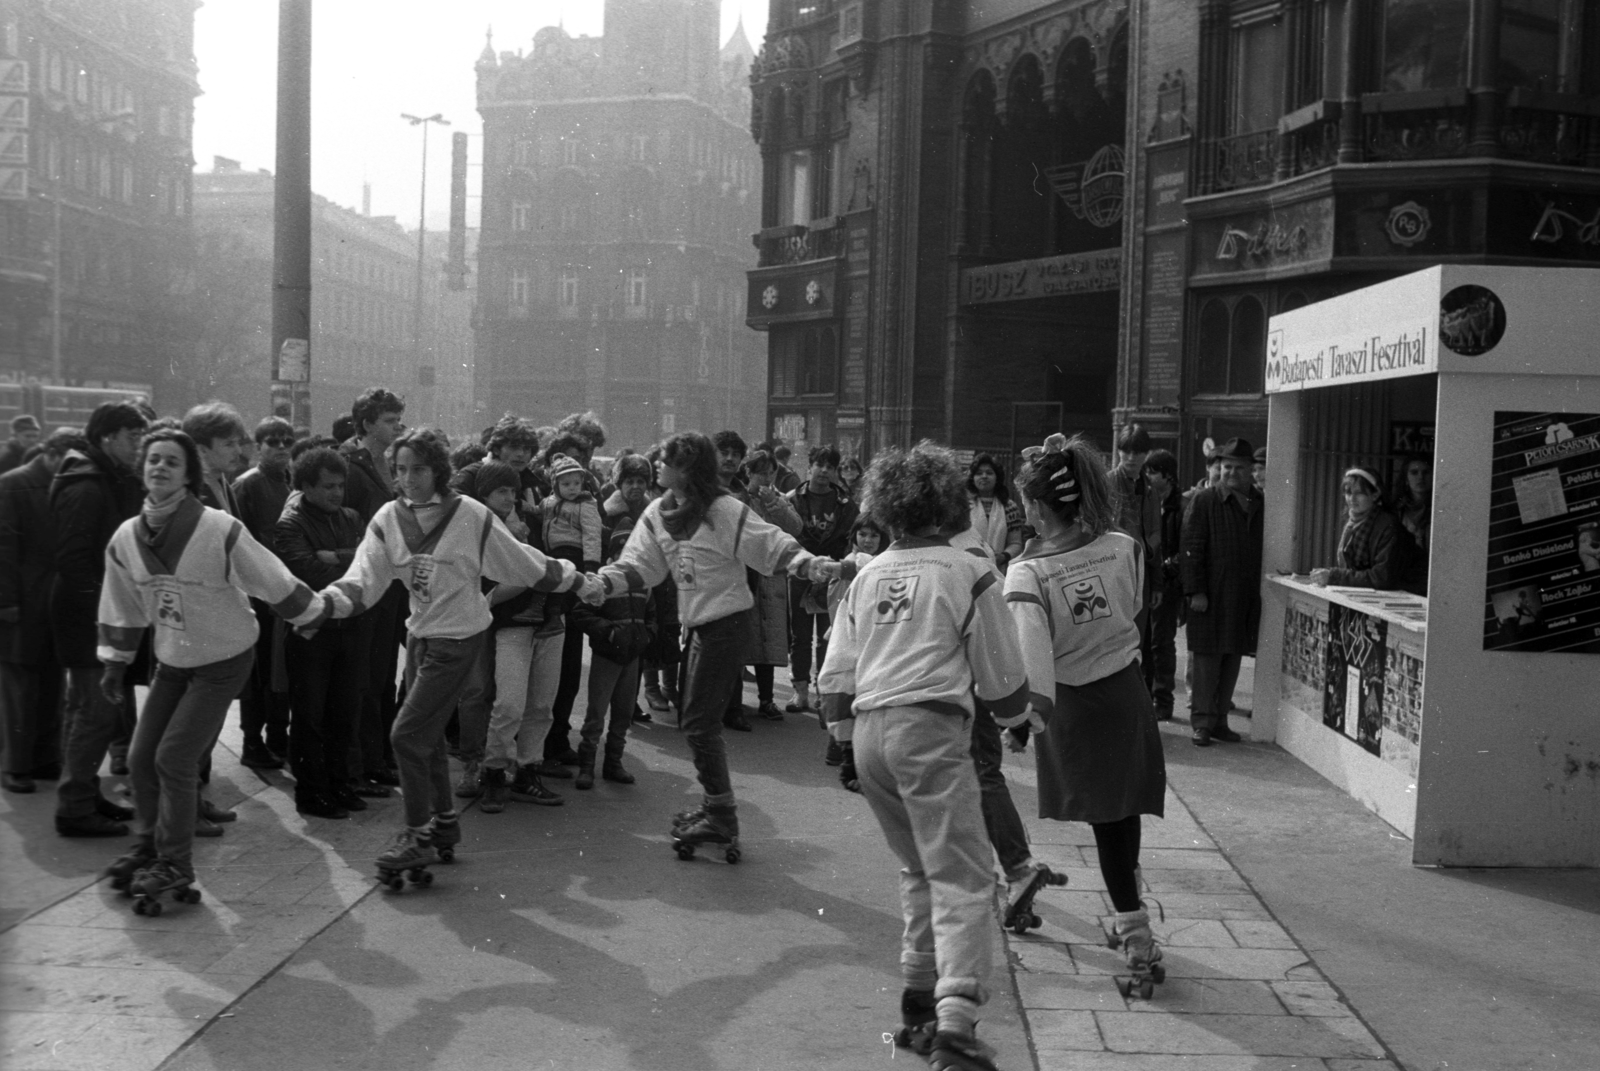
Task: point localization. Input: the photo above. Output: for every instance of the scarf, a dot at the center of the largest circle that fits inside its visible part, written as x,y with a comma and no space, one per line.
1353,536
157,514
164,529
681,516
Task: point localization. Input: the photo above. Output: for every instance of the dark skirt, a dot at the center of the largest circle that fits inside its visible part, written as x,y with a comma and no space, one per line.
1100,759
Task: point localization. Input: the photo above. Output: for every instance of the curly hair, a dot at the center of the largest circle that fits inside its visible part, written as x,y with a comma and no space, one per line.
730,440
193,472
906,490
1001,492
310,465
1071,483
692,454
633,466
512,431
564,443
585,426
467,454
371,405
431,447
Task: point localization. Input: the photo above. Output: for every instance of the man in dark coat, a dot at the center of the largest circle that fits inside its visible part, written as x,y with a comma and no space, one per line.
93,492
826,517
24,437
376,415
260,495
1222,539
30,675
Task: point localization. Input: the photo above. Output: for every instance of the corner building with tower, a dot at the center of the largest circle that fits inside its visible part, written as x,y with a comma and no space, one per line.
618,204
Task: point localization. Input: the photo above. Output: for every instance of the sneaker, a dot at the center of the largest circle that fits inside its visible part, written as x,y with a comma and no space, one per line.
769,710
12,782
212,813
1226,735
528,789
835,755
258,756
349,798
114,811
90,825
320,807
409,849
641,715
205,827
469,787
798,706
1201,737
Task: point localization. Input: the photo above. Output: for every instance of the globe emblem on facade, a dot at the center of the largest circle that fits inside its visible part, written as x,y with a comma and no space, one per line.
1102,191
769,297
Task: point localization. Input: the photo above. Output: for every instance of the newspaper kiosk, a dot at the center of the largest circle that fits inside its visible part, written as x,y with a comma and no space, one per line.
1470,718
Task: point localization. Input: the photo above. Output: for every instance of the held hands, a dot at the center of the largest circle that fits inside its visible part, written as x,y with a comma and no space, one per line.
825,569
1199,603
591,589
111,682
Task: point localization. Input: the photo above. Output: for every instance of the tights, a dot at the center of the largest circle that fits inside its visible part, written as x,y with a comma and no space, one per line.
1118,845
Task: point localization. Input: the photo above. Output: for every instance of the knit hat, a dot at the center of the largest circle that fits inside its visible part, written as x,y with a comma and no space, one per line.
493,475
562,465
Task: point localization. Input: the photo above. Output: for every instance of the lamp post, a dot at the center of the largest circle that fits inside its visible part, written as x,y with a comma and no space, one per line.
422,229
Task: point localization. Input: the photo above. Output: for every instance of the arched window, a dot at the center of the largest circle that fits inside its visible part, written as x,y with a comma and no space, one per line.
1247,347
1212,356
977,143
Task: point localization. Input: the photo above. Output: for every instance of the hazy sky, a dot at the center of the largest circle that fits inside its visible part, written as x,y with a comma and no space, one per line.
372,60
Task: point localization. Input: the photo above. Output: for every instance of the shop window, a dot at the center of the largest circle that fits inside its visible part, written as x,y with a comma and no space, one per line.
1530,43
1424,44
1247,348
1212,366
1258,70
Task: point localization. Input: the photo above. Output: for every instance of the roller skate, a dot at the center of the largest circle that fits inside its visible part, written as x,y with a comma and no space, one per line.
719,826
162,876
959,1052
689,817
135,859
1131,932
444,833
411,854
1020,915
918,1021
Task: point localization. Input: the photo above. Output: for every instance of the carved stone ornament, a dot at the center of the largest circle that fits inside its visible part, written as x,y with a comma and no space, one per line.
862,195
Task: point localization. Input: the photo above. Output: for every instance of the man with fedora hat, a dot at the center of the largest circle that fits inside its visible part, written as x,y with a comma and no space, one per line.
1222,539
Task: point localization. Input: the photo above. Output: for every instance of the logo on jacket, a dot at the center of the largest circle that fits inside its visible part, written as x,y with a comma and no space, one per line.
1087,600
422,570
169,609
895,596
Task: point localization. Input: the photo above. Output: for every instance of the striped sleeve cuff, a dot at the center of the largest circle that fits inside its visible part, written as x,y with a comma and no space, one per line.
118,644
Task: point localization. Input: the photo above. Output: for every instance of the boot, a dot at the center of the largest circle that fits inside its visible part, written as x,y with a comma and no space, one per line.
495,791
469,788
802,699
528,788
613,770
656,699
585,766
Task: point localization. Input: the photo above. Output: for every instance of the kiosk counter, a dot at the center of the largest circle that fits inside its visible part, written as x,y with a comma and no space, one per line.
1469,719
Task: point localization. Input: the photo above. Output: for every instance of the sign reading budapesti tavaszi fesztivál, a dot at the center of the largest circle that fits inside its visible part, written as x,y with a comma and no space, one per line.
1544,534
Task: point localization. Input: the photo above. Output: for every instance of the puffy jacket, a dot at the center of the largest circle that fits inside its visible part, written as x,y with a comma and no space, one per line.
90,497
27,562
304,530
622,627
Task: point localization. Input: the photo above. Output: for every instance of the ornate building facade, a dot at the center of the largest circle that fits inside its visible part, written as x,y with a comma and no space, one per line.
96,254
984,223
618,202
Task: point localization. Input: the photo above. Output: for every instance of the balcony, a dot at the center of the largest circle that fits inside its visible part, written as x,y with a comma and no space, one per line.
1431,124
1551,128
798,244
1240,161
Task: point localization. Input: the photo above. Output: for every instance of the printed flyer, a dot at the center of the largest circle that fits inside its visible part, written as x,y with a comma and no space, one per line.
1544,534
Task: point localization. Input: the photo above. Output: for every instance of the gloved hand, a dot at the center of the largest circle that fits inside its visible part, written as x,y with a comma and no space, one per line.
847,769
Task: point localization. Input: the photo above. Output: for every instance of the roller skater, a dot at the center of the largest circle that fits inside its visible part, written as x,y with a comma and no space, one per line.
122,870
706,540
1130,931
1020,916
921,632
444,832
411,854
162,876
718,825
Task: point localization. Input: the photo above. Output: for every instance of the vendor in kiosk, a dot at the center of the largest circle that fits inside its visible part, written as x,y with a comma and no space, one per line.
1374,550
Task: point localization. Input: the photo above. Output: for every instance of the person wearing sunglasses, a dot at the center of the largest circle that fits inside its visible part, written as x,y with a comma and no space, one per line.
261,494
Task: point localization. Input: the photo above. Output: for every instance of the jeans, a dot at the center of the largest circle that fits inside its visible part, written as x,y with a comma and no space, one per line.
917,775
764,683
1211,696
612,686
92,722
263,712
435,671
557,742
327,700
1160,654
803,629
181,717
472,706
30,700
1000,818
527,671
714,666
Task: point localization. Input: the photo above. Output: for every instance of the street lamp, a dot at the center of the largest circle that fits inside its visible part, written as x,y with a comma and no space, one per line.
422,228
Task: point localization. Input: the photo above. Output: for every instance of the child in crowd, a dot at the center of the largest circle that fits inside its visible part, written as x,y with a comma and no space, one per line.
442,546
570,518
922,629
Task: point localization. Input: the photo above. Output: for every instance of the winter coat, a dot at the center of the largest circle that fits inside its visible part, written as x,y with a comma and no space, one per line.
620,629
465,482
1222,561
27,562
90,497
770,644
825,520
304,530
364,488
261,498
11,457
1383,556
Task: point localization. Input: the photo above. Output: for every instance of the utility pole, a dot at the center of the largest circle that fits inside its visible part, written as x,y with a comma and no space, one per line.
422,232
291,219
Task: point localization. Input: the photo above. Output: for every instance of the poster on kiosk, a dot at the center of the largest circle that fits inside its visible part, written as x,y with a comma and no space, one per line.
1459,707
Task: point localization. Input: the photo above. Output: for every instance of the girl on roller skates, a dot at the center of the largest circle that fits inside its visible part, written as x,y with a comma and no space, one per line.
1075,595
922,630
442,546
705,539
187,571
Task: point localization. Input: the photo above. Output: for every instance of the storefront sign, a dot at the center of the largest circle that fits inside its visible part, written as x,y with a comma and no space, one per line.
1544,534
1282,237
1075,273
1163,318
1393,333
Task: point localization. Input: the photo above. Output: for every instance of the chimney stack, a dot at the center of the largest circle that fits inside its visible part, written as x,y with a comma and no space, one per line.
366,198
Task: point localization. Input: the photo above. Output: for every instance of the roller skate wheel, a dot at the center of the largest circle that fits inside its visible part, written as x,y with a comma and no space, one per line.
390,880
1034,922
190,896
138,907
733,855
685,852
1019,927
447,855
421,877
1125,987
1147,988
1158,972
153,908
